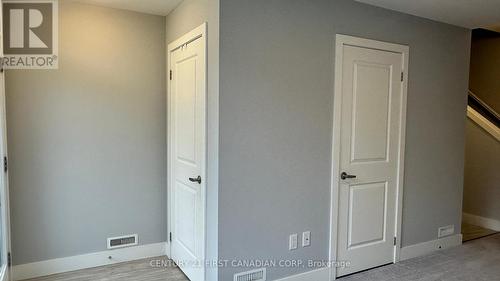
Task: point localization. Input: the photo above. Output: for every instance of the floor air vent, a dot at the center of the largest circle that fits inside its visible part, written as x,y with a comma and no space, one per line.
254,275
122,241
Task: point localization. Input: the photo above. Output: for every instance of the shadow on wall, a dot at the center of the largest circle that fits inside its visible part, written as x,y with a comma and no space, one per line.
485,67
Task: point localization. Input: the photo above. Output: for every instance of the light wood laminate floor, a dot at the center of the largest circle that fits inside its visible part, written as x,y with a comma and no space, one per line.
129,271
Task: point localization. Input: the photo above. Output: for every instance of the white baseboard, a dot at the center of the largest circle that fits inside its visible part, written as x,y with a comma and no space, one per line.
322,274
60,265
425,248
481,221
167,249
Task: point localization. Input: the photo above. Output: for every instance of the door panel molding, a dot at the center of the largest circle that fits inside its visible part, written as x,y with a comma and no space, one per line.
341,42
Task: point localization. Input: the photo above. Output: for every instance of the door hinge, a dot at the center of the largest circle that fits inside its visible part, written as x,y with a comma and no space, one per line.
9,260
395,241
170,237
5,164
170,74
402,76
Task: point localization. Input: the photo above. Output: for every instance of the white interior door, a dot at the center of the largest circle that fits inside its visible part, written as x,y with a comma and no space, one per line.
187,156
4,191
370,142
4,181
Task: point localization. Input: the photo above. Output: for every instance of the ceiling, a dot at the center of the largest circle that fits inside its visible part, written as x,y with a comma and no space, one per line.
156,7
467,13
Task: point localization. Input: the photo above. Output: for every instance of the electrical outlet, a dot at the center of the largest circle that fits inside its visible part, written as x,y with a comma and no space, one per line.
293,243
306,239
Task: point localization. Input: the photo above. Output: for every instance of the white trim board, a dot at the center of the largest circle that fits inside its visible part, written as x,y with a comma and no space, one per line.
428,247
60,265
322,274
484,123
481,221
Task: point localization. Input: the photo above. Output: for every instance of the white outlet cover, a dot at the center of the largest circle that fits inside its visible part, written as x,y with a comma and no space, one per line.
306,239
293,243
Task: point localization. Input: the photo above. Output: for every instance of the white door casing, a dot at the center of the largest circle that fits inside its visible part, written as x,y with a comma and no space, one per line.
187,152
5,269
5,274
369,128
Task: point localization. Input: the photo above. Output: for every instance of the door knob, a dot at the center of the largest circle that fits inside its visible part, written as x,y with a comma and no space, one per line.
198,179
344,176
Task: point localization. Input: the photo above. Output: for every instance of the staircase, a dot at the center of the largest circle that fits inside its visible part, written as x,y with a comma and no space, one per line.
483,115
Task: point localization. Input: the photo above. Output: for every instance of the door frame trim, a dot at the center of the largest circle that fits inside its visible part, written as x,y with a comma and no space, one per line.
5,211
340,42
198,32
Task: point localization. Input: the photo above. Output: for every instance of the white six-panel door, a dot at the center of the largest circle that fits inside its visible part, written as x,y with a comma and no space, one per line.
187,97
369,157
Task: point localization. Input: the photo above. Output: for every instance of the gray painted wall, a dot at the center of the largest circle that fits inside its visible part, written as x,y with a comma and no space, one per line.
481,186
276,102
87,142
186,17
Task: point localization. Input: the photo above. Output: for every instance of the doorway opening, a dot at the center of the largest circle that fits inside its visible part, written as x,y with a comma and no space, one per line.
481,212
